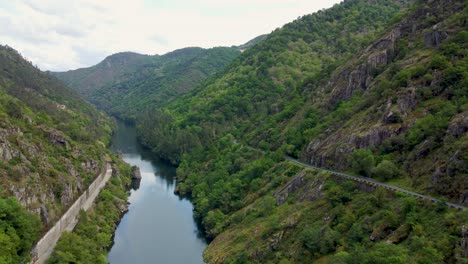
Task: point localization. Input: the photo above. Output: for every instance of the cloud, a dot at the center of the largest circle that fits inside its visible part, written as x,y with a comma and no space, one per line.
63,35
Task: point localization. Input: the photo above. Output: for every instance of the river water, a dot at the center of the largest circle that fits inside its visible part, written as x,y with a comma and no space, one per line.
159,226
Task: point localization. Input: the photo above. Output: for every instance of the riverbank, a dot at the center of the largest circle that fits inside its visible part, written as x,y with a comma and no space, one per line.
147,224
69,219
92,237
159,226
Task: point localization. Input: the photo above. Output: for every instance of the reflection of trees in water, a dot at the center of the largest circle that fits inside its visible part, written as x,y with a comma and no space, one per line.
125,142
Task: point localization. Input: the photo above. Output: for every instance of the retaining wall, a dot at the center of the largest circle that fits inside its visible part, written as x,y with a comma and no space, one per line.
68,221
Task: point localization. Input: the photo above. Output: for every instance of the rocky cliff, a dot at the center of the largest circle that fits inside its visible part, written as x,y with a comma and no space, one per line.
398,85
51,140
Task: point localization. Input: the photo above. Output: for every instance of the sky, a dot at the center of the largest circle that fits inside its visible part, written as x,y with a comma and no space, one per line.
60,35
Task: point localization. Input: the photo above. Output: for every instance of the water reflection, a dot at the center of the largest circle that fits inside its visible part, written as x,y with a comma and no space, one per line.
159,226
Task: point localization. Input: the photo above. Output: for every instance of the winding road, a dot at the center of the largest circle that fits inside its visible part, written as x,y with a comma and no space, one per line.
376,183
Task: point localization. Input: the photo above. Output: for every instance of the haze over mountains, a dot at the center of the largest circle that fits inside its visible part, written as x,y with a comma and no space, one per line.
125,84
372,88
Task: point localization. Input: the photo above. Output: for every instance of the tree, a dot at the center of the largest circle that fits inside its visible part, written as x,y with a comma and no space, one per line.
362,162
386,170
14,110
18,231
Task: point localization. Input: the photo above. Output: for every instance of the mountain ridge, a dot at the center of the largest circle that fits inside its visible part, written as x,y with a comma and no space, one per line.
372,88
149,76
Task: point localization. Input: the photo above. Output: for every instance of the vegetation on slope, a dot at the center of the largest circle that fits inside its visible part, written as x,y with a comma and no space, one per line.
363,87
51,144
93,236
114,68
256,96
126,84
321,218
19,229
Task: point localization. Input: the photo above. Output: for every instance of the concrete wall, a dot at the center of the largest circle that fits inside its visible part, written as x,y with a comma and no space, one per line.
68,221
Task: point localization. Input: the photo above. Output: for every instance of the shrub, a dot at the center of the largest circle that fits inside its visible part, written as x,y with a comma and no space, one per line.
386,170
362,162
320,240
401,78
439,62
14,110
18,231
425,127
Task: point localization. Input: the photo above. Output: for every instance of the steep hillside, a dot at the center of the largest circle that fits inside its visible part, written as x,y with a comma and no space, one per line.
51,147
257,94
124,84
376,88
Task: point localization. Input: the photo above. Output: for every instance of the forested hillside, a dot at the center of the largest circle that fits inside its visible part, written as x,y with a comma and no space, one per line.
52,144
125,84
376,88
114,68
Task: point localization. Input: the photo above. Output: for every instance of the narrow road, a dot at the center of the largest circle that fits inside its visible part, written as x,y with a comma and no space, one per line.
376,183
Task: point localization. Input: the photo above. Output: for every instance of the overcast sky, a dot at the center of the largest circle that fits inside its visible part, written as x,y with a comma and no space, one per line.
61,35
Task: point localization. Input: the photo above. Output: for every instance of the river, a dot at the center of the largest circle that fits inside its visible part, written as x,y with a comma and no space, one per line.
159,226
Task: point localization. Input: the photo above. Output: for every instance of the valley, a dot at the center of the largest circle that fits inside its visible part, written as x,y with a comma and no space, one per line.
339,137
159,225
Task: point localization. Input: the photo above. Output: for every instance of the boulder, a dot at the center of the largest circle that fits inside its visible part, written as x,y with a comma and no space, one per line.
136,174
459,125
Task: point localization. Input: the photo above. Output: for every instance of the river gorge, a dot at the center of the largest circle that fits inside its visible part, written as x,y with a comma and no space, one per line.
159,226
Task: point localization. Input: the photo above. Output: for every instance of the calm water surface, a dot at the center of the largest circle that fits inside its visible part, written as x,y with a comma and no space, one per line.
159,226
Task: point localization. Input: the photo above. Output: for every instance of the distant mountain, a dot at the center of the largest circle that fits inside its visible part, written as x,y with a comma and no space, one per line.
112,69
51,147
126,83
376,88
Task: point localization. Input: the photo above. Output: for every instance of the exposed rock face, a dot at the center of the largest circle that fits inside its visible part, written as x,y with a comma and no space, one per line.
331,150
459,125
434,38
30,197
58,139
398,114
296,183
275,240
382,52
136,174
44,215
74,173
7,152
136,177
39,194
305,189
115,171
353,78
55,137
67,196
374,136
90,166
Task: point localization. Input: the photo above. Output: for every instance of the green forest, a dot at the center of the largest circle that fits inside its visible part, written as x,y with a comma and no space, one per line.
353,88
51,146
19,229
376,89
136,82
93,236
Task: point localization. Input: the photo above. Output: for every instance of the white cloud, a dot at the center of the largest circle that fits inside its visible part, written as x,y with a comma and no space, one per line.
62,35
